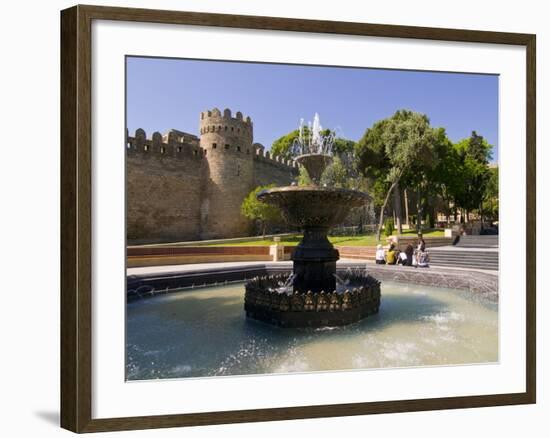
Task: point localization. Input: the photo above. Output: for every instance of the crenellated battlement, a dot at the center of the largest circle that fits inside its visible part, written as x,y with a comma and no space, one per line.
174,144
182,145
216,114
214,122
265,157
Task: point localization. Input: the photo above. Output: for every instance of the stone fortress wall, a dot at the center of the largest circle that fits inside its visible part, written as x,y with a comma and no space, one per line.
183,187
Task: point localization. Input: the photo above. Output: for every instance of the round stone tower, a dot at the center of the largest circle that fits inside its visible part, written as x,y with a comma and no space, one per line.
227,144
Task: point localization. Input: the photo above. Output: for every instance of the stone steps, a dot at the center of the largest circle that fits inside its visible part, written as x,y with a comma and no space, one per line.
478,242
465,259
465,265
470,254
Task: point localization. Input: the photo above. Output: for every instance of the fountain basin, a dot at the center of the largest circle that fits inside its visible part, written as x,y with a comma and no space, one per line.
313,206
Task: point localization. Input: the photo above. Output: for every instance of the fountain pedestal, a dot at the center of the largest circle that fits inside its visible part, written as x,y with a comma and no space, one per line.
315,262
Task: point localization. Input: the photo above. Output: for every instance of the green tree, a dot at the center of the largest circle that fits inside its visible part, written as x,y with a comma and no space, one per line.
261,212
282,147
372,162
370,151
336,175
401,145
446,182
342,173
490,197
474,155
343,147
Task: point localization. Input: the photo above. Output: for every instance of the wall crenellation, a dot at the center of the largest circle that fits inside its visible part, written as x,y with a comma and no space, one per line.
170,145
265,156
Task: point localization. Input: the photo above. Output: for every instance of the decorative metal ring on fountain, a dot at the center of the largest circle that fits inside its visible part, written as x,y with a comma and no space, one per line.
265,301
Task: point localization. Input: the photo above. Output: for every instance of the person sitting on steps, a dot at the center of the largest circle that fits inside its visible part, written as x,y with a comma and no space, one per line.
421,245
380,256
406,257
421,255
392,255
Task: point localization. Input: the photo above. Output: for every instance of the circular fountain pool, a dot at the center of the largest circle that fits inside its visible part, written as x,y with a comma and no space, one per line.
204,332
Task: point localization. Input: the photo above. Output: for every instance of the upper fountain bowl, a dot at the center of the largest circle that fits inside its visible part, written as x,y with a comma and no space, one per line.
313,206
315,164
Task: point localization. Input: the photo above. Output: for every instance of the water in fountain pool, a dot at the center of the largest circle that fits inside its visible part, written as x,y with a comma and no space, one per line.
204,332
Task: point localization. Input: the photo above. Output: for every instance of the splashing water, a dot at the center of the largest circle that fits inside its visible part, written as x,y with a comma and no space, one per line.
343,279
311,141
286,287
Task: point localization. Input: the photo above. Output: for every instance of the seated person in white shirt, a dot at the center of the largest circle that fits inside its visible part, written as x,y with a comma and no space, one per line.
380,255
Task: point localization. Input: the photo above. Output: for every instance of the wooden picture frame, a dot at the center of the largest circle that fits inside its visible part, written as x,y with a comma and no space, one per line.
76,217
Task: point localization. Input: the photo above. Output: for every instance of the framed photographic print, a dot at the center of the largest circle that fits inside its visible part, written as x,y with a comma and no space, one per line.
270,218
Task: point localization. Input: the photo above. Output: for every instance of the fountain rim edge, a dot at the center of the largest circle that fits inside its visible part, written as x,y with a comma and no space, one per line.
310,188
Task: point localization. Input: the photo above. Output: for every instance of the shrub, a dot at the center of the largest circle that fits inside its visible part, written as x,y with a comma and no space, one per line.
389,227
262,212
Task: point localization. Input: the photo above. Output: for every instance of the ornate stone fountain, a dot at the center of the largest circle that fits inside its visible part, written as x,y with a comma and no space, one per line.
310,296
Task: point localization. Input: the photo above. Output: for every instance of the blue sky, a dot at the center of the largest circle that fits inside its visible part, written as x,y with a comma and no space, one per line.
170,93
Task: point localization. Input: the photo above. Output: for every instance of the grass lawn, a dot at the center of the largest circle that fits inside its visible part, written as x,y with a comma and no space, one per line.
364,240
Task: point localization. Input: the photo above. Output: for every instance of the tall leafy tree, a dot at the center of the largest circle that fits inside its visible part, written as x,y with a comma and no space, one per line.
445,177
371,160
370,151
401,145
474,155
